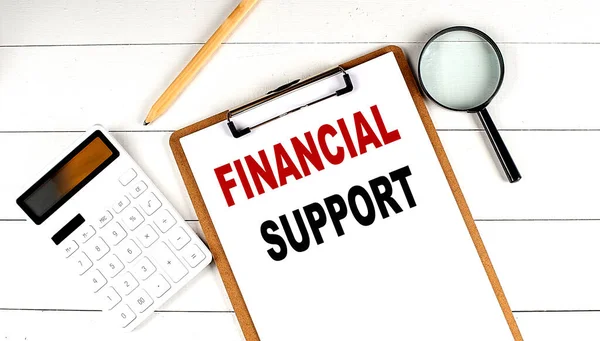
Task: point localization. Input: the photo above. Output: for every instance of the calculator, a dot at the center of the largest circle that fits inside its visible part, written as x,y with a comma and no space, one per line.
121,236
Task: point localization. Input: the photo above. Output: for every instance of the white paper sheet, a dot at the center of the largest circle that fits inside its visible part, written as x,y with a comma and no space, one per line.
415,275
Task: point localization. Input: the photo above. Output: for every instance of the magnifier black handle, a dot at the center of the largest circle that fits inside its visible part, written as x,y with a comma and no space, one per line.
512,173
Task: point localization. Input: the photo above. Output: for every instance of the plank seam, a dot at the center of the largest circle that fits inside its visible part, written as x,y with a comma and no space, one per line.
99,311
439,130
231,311
21,220
283,43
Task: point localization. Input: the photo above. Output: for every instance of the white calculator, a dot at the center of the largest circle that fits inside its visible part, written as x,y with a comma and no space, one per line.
119,233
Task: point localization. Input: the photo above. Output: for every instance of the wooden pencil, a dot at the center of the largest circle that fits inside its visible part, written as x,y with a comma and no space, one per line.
199,60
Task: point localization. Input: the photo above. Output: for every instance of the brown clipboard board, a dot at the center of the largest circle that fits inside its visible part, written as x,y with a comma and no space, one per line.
216,248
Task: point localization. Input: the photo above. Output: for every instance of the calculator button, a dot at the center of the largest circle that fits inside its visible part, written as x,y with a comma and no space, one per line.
84,233
143,269
124,315
157,285
69,247
102,219
132,218
127,177
82,262
178,238
111,298
141,301
97,280
164,220
129,251
150,203
120,205
126,284
112,266
98,248
146,235
193,255
114,233
168,262
138,189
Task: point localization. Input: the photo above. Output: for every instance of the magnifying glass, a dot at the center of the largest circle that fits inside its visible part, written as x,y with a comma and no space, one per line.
461,69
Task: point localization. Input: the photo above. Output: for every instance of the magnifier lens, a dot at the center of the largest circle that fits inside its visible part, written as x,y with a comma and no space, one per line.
460,70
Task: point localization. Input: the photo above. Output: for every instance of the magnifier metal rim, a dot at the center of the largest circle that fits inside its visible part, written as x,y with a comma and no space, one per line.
488,40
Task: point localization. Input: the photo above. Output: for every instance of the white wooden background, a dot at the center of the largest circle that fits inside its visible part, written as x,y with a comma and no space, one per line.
67,64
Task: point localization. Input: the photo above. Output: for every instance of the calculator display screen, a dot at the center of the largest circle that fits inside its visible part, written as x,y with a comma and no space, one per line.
68,177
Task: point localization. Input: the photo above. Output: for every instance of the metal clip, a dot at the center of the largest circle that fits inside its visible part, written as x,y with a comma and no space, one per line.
284,90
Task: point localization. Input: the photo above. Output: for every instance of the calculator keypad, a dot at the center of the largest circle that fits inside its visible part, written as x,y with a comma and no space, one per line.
127,177
98,248
150,203
125,284
114,234
69,247
124,315
143,269
138,189
111,298
178,238
121,204
132,218
112,266
135,252
167,260
164,220
84,233
102,219
97,280
146,235
158,285
193,255
142,300
130,251
82,262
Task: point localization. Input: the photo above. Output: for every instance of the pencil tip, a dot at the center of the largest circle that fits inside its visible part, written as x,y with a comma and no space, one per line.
146,123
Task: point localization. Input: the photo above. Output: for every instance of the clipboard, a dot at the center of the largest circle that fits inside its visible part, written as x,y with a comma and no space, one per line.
206,223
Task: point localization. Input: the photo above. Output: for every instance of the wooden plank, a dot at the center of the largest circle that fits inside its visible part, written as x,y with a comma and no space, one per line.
91,326
108,22
76,326
38,265
559,171
71,88
546,265
542,266
580,326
